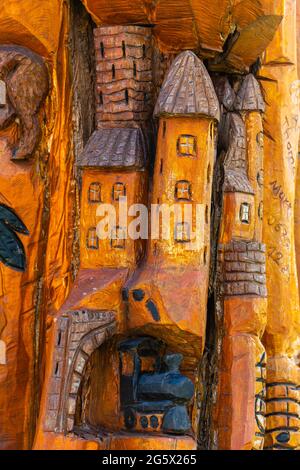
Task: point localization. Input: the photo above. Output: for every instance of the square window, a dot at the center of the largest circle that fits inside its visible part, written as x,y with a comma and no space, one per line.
92,239
183,190
119,190
187,146
95,192
183,232
118,238
245,213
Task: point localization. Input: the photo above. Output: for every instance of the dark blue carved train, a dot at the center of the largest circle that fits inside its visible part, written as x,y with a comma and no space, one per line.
154,394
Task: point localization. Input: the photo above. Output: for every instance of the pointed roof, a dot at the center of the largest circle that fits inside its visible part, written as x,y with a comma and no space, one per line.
224,91
249,97
235,162
188,89
115,148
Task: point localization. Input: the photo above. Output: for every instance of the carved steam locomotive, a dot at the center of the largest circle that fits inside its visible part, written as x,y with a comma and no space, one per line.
154,394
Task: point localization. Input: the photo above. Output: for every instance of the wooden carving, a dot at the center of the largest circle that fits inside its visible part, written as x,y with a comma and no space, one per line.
149,225
25,84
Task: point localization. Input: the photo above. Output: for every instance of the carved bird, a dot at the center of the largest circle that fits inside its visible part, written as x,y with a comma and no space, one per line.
26,78
12,252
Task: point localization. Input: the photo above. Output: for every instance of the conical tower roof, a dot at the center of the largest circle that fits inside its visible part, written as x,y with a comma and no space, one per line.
249,97
188,89
224,91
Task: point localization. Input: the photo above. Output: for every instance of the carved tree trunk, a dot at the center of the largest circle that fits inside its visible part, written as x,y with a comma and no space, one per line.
183,341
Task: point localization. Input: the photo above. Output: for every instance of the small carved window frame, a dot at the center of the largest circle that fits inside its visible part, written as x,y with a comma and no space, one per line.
187,190
185,230
245,213
96,188
116,242
115,190
92,240
190,144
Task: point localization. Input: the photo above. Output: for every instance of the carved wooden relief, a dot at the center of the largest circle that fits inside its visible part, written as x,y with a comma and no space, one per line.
25,84
149,225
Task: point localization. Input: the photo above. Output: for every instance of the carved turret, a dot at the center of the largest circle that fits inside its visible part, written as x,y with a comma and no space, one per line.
242,281
124,75
187,109
249,97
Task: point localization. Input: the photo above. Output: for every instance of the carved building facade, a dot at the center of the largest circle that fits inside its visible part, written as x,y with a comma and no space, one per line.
171,340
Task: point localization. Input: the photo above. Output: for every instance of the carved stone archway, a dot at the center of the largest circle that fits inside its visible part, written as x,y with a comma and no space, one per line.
78,335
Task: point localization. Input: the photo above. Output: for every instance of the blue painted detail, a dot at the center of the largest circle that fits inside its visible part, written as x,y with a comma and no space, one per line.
283,437
162,390
176,420
153,310
154,423
138,295
144,422
12,252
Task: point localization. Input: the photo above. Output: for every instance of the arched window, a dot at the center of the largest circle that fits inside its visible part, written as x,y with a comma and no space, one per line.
95,192
119,190
92,240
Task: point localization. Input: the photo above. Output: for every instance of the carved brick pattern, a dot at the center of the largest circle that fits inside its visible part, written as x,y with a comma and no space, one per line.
242,268
78,334
124,75
282,414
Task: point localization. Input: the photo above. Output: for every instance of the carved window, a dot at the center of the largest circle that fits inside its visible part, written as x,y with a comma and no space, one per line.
95,192
261,210
260,139
2,93
102,50
92,240
119,190
187,146
124,49
118,238
183,190
183,232
245,213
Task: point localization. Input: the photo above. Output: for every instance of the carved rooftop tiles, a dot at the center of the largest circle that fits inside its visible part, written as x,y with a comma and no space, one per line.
188,89
249,97
115,148
235,181
224,91
235,162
